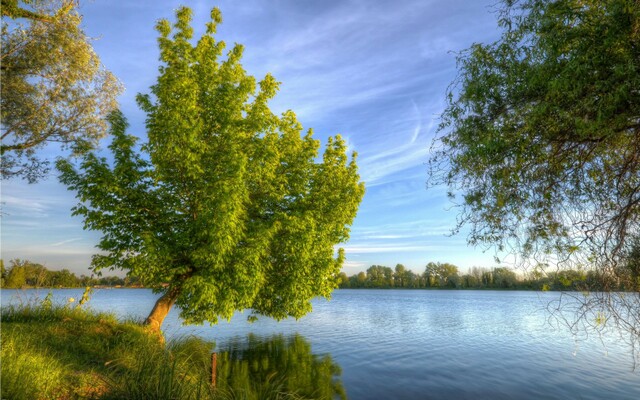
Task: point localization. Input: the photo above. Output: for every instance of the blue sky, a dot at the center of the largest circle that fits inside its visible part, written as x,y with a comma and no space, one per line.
374,71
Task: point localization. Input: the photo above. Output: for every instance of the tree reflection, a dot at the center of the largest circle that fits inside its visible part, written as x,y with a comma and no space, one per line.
277,367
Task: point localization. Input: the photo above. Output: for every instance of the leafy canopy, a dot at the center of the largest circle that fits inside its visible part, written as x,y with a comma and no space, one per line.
541,136
226,207
540,147
54,88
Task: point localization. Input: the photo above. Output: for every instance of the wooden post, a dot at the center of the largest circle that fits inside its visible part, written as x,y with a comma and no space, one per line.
214,365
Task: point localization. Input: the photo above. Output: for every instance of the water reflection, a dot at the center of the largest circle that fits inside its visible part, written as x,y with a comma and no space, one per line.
260,368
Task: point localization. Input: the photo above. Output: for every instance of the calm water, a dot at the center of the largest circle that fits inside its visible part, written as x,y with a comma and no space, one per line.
393,344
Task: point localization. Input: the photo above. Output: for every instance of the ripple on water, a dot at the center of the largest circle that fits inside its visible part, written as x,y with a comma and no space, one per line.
395,344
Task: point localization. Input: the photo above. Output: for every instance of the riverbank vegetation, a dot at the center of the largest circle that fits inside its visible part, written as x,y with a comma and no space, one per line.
67,352
24,274
53,351
448,276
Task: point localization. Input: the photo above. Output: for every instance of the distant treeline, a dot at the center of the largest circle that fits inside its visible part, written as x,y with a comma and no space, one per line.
448,276
26,274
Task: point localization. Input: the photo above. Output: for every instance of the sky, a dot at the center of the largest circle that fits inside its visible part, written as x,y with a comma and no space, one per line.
374,71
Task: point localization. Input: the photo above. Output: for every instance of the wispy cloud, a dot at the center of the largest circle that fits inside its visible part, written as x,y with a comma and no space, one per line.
67,241
25,205
400,155
383,237
416,228
355,264
39,248
366,249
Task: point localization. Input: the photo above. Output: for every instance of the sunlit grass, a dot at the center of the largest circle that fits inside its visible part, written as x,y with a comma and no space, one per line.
61,351
65,352
27,372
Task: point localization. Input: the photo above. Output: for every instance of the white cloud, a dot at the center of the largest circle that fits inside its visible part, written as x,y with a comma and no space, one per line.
382,237
355,264
25,205
58,244
366,249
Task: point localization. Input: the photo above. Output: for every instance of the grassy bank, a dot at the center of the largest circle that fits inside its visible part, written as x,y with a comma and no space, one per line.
63,352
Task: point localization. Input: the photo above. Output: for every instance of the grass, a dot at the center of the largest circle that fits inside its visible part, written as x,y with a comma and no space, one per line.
67,352
64,352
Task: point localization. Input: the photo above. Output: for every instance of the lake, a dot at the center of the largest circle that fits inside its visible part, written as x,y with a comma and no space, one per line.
418,344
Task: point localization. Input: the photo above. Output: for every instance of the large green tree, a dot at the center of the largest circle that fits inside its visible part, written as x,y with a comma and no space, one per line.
540,141
54,88
228,207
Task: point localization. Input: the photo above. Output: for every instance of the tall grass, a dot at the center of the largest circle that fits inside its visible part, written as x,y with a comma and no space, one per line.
179,370
55,351
61,351
27,373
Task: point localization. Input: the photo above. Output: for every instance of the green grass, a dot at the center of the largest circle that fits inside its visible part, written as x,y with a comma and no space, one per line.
61,352
66,352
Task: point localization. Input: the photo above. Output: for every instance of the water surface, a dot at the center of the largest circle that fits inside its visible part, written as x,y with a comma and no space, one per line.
418,344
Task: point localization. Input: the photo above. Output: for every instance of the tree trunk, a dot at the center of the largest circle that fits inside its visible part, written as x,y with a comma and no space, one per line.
161,309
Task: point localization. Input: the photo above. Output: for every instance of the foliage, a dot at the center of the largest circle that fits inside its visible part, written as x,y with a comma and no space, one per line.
541,134
16,276
539,142
504,277
27,274
441,275
65,352
447,276
54,88
379,276
228,205
631,267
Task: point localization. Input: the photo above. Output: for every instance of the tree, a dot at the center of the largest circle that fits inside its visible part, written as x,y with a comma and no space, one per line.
469,280
64,278
36,274
379,276
228,209
476,276
54,88
400,276
24,273
487,278
631,267
16,275
343,280
411,280
3,273
359,280
441,274
539,142
504,278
